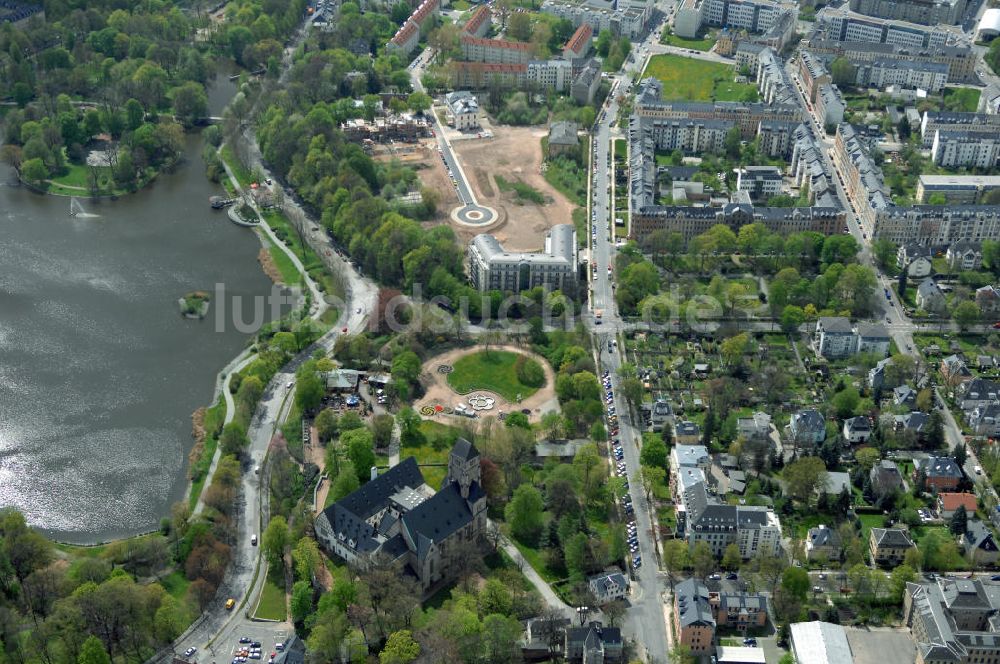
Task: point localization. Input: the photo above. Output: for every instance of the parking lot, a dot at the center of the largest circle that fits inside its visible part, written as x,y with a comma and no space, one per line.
881,645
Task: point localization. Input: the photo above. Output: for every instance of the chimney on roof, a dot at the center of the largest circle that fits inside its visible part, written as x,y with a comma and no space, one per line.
374,475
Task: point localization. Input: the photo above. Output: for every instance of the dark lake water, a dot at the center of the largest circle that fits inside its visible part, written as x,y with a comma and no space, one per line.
99,374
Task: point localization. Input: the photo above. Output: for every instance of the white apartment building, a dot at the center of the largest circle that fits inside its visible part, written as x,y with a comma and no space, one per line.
962,149
760,182
493,268
881,73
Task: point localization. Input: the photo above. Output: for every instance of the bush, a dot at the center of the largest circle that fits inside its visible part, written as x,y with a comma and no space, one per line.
529,372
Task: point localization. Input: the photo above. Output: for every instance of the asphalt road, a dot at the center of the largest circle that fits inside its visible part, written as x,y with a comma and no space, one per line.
644,622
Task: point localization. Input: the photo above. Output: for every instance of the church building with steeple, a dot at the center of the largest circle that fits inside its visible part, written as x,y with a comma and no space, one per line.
398,516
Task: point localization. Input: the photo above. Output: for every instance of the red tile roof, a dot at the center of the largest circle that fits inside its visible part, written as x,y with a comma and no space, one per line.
404,33
479,17
950,502
496,43
580,38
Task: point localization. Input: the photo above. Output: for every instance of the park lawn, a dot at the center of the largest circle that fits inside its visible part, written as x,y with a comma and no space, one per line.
289,273
698,44
77,176
687,78
491,370
241,173
969,98
731,91
272,602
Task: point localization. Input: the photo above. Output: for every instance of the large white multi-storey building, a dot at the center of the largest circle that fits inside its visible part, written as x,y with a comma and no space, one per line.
841,25
493,268
963,149
882,73
749,15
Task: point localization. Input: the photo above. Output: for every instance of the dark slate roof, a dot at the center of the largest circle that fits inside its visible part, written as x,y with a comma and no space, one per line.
893,537
915,421
824,536
809,420
692,602
437,517
372,496
978,536
836,325
464,449
941,467
395,546
858,424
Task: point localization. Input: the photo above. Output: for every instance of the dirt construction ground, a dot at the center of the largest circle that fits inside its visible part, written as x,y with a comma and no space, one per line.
515,153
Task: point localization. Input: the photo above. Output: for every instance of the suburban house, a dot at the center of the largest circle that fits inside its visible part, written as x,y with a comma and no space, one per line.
739,610
929,296
823,541
661,413
904,395
563,139
977,392
687,433
857,429
988,299
608,587
985,420
877,379
593,644
888,546
948,502
915,422
979,543
807,428
694,623
834,337
755,427
964,256
909,252
885,477
462,110
955,370
942,473
836,483
396,515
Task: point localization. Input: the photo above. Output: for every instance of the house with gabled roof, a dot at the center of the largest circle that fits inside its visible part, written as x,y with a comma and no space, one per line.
888,546
979,543
593,644
941,473
694,623
398,517
949,501
807,428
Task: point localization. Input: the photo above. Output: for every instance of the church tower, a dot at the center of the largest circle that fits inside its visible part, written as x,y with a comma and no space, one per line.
463,466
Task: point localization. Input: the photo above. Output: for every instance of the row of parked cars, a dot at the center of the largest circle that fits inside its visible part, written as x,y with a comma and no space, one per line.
621,469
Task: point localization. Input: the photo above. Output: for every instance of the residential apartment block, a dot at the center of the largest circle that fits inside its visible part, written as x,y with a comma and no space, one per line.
627,18
813,73
841,25
419,22
742,611
960,60
578,44
957,189
885,72
923,224
925,12
496,51
493,268
979,123
953,620
694,624
836,338
758,16
760,182
772,79
965,149
830,105
479,23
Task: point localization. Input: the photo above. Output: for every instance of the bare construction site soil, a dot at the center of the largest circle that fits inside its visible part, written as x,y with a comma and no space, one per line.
514,154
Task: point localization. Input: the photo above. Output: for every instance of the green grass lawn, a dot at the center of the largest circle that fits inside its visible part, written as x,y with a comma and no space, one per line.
524,191
489,370
460,5
869,521
968,98
702,44
686,78
241,173
439,440
272,602
283,228
732,91
289,273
